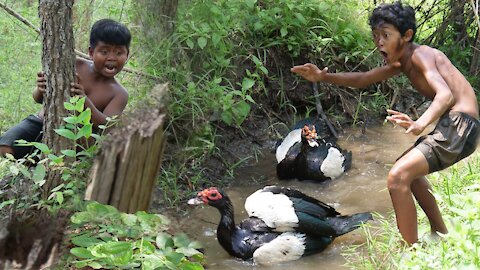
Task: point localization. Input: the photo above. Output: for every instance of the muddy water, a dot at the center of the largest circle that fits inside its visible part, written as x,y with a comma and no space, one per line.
361,189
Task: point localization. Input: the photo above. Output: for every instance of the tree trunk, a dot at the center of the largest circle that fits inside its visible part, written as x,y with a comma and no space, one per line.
125,171
58,64
157,17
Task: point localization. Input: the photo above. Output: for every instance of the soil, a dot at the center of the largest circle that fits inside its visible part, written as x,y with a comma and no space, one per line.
29,238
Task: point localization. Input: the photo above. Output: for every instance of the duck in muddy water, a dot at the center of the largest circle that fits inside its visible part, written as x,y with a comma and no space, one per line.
283,225
306,154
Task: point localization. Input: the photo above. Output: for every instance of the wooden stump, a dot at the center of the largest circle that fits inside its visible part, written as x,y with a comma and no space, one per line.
125,170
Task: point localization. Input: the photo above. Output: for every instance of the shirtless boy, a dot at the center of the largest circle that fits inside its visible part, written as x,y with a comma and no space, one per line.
109,49
454,105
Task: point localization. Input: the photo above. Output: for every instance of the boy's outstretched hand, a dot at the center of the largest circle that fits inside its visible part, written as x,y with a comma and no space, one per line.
405,121
310,72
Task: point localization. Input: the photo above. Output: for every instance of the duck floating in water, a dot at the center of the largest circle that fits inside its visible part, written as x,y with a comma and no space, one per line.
305,155
283,225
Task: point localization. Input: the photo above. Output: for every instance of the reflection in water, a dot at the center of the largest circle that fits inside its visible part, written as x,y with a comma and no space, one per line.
361,189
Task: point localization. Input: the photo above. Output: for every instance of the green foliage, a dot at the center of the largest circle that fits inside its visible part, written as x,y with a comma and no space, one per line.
458,193
106,238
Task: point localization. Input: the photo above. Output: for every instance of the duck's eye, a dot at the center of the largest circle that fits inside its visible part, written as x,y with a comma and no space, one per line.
214,196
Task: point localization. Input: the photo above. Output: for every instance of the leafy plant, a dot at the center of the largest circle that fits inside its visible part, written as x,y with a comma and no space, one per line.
106,238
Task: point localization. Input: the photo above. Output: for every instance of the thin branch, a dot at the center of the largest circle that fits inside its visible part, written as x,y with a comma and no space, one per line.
77,52
475,11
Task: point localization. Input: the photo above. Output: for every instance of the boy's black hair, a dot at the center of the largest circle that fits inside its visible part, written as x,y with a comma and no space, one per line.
110,32
396,14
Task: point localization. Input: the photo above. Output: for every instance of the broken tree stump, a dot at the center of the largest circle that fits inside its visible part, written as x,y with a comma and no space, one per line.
124,172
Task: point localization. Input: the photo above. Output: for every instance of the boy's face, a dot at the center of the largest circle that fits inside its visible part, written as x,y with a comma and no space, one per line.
108,59
389,42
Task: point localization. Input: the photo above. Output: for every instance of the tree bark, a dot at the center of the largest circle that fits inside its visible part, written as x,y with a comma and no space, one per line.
58,64
157,17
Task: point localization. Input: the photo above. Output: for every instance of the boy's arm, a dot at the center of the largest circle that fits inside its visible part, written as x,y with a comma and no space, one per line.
351,79
424,61
114,107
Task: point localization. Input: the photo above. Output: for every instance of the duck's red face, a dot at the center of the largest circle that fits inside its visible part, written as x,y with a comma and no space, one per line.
210,194
207,196
310,134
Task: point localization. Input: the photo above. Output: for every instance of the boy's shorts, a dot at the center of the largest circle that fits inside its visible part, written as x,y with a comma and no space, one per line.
455,137
30,130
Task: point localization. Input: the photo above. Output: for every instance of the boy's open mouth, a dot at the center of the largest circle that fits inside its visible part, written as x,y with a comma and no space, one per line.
384,55
110,67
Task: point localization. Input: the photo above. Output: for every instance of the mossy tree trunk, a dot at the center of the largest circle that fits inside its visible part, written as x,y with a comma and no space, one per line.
58,64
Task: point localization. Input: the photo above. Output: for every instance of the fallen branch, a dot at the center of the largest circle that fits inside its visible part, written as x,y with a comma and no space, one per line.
77,52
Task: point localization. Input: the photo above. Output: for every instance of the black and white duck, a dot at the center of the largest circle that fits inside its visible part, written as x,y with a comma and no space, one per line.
283,225
304,154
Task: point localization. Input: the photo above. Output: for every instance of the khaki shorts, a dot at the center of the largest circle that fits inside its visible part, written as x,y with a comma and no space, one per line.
455,137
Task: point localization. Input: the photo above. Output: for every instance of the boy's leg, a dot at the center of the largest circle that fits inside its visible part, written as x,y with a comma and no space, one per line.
4,149
421,190
407,169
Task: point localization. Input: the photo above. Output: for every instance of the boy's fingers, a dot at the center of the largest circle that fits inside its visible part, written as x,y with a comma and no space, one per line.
393,112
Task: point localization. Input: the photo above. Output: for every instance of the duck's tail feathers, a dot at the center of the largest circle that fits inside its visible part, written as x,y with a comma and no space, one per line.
347,163
346,224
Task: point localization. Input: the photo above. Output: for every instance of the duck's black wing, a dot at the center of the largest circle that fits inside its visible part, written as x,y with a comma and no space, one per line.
286,168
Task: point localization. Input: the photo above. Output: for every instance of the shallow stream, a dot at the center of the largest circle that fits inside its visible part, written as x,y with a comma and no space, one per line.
361,189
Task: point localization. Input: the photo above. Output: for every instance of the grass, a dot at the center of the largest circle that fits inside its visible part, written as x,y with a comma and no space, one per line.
457,191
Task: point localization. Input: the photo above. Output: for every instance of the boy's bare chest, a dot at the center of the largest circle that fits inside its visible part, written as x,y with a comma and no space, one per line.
99,94
419,82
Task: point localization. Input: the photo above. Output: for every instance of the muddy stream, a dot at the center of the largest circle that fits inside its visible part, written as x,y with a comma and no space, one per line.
361,189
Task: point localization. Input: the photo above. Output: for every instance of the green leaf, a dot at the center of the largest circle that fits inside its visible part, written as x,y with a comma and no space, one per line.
164,240
251,3
85,117
25,172
216,39
85,131
80,106
68,106
82,252
247,83
241,111
187,251
85,240
39,173
117,253
202,42
227,117
128,219
42,147
5,203
71,119
181,240
65,133
55,159
69,153
57,188
59,197
190,43
283,31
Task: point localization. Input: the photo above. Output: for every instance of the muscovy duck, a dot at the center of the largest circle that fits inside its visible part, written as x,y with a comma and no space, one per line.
305,155
283,225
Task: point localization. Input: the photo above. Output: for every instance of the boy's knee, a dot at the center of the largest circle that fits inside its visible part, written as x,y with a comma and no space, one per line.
5,149
397,180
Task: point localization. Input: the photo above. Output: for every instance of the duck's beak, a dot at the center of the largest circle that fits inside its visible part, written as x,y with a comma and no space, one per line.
195,201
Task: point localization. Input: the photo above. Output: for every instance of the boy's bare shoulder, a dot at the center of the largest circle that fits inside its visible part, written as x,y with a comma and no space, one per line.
119,89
